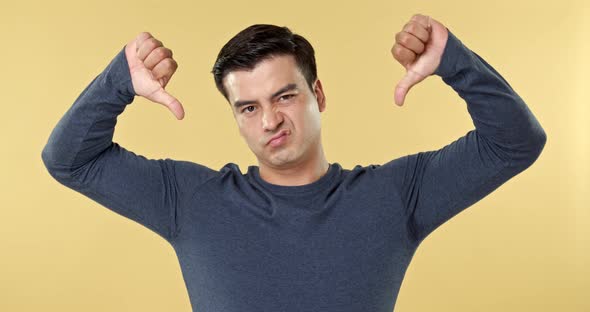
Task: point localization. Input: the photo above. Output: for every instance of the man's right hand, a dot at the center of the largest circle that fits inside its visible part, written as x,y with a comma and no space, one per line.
151,67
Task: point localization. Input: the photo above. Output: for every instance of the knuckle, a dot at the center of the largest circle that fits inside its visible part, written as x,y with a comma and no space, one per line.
153,42
161,51
408,27
149,42
397,50
169,63
417,17
145,34
405,40
420,47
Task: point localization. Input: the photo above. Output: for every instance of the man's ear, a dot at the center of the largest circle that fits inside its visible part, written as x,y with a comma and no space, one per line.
318,91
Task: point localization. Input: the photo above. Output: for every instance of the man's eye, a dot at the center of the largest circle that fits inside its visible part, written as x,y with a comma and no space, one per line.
247,108
287,96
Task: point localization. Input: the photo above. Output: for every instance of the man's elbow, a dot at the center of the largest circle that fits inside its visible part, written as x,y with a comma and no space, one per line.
51,161
535,146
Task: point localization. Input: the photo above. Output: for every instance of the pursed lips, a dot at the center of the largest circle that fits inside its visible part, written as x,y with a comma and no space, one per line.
280,134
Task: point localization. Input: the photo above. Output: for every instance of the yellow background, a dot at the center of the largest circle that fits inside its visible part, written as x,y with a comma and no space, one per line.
525,247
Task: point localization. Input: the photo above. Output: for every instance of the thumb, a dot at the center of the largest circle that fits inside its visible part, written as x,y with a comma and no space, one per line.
403,87
161,96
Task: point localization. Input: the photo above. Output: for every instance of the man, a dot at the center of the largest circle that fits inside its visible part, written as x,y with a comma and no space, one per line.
296,233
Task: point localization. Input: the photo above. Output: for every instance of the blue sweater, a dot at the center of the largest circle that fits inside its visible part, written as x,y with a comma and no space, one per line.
341,243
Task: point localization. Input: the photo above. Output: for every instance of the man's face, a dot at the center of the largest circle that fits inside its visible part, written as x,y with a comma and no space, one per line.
272,98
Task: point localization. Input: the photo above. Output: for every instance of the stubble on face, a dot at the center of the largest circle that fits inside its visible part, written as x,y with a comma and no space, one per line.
296,118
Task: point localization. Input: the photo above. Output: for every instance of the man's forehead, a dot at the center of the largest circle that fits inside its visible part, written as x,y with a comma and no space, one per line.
266,78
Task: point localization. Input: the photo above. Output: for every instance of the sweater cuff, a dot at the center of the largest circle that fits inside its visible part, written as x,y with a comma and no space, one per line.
448,62
119,76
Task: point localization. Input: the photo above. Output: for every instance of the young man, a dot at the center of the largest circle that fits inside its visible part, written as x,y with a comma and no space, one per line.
296,233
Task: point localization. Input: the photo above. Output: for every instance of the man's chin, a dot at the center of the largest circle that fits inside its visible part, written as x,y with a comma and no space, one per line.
279,161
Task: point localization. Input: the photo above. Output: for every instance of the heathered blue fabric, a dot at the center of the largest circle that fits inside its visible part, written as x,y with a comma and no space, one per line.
341,243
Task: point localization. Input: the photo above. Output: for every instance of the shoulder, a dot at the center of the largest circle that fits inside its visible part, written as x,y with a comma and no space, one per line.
192,175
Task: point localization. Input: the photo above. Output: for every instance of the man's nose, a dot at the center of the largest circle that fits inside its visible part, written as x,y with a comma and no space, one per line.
271,118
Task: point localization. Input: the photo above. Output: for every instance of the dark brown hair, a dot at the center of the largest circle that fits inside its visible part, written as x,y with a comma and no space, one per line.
259,42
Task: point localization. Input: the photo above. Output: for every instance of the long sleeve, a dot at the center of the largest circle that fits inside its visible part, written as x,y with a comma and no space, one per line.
81,155
436,185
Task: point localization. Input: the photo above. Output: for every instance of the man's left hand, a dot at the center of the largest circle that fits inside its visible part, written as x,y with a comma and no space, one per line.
419,48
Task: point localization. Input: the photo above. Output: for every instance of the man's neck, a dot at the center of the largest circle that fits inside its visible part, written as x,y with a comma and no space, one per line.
301,174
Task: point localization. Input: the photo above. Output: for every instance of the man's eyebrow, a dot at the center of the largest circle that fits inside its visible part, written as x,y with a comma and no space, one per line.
289,87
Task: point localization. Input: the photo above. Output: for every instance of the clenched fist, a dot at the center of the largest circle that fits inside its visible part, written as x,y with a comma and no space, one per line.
151,66
419,48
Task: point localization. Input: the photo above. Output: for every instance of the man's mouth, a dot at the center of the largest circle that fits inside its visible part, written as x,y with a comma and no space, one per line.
278,139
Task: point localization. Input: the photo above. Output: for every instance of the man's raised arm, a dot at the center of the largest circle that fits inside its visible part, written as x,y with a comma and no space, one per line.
436,185
81,155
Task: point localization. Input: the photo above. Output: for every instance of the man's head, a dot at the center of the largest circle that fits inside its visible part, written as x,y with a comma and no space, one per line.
268,76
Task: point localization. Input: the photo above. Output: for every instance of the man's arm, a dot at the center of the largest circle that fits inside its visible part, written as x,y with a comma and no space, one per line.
80,154
436,185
